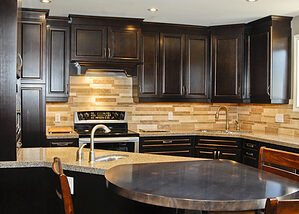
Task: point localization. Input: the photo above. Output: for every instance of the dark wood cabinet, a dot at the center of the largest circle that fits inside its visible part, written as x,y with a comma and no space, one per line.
124,43
175,64
218,148
268,59
148,72
89,43
172,47
58,48
176,146
196,73
33,115
227,63
33,45
104,39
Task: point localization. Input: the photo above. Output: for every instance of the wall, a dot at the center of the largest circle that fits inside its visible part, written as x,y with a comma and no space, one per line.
106,93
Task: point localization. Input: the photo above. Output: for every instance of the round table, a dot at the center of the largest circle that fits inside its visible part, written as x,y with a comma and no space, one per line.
208,185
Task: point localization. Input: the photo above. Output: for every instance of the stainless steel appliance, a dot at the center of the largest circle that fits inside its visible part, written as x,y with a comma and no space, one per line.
120,138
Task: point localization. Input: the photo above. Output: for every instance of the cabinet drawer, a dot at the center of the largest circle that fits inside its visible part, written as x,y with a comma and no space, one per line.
250,153
184,153
250,145
63,143
205,153
218,143
230,154
250,161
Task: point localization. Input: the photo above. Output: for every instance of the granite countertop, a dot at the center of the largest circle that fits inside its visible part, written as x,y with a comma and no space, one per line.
43,157
287,141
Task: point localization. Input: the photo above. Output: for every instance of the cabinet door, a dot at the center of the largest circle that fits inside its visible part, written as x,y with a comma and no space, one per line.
259,65
148,71
227,63
124,43
33,51
172,47
33,115
58,63
196,72
88,43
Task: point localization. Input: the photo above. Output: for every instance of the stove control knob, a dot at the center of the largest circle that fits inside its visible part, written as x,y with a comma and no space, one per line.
86,115
80,116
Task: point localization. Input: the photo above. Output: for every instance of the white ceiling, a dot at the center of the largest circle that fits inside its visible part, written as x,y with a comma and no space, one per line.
197,12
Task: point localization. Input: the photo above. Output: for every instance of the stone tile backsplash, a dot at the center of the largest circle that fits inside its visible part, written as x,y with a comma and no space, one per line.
107,93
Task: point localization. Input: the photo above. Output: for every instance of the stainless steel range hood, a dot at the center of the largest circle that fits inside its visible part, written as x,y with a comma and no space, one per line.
104,69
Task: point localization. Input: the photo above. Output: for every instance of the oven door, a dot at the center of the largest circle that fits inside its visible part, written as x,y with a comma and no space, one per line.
127,144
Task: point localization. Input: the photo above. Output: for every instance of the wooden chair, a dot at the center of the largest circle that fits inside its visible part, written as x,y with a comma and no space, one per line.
274,206
64,193
279,162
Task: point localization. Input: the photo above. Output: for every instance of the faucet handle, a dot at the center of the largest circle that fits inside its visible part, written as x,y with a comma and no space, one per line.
80,152
237,125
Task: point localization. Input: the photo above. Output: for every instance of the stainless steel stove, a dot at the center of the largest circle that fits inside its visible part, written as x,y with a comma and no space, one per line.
120,138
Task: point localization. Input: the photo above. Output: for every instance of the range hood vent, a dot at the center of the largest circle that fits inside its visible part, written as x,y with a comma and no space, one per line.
104,69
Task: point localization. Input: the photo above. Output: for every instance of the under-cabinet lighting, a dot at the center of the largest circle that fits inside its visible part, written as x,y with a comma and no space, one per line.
46,1
153,9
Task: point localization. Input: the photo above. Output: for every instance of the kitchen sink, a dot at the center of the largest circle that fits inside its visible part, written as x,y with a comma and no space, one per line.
223,131
112,157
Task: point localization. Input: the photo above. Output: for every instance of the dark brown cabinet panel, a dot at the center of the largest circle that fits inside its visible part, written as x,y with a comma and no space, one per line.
172,64
196,72
89,43
33,115
227,63
268,45
124,43
58,60
148,71
33,51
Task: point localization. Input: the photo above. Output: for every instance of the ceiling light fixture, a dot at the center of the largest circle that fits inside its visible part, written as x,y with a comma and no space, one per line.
252,0
46,1
153,9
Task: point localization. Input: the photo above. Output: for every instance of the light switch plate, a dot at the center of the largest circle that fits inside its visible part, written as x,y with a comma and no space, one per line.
71,184
279,118
57,118
170,115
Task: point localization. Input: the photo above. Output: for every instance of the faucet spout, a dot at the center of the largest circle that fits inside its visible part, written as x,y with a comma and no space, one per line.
226,114
100,126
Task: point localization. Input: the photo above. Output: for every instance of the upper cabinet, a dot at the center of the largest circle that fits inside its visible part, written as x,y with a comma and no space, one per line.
33,45
175,64
103,39
58,58
227,63
268,59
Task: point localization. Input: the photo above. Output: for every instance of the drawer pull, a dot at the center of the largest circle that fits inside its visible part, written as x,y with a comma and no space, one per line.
167,141
61,143
206,152
249,154
250,145
169,152
162,145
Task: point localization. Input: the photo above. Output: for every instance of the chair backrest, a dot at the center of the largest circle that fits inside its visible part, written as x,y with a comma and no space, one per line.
274,206
65,193
279,162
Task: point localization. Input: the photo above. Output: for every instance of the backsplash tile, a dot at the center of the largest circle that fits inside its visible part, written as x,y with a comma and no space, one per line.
107,93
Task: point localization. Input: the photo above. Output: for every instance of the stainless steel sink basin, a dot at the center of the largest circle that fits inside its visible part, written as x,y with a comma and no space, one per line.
112,157
223,131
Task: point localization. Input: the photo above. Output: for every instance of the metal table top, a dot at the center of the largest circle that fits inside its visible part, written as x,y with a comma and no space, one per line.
213,185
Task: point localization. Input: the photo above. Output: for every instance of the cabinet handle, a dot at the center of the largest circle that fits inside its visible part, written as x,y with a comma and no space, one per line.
268,91
21,62
105,52
166,141
239,90
219,153
183,90
249,145
109,53
249,154
214,155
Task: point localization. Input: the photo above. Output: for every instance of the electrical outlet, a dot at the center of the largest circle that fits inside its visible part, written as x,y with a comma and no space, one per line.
57,118
71,184
170,115
279,118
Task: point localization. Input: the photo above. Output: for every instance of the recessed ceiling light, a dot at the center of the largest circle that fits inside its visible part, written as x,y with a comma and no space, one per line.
45,1
153,9
252,0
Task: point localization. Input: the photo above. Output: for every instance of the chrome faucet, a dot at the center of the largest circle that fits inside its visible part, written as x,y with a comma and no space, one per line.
226,111
91,153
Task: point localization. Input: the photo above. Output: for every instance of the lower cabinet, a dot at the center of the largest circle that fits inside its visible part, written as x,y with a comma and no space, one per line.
250,152
176,146
218,148
33,115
